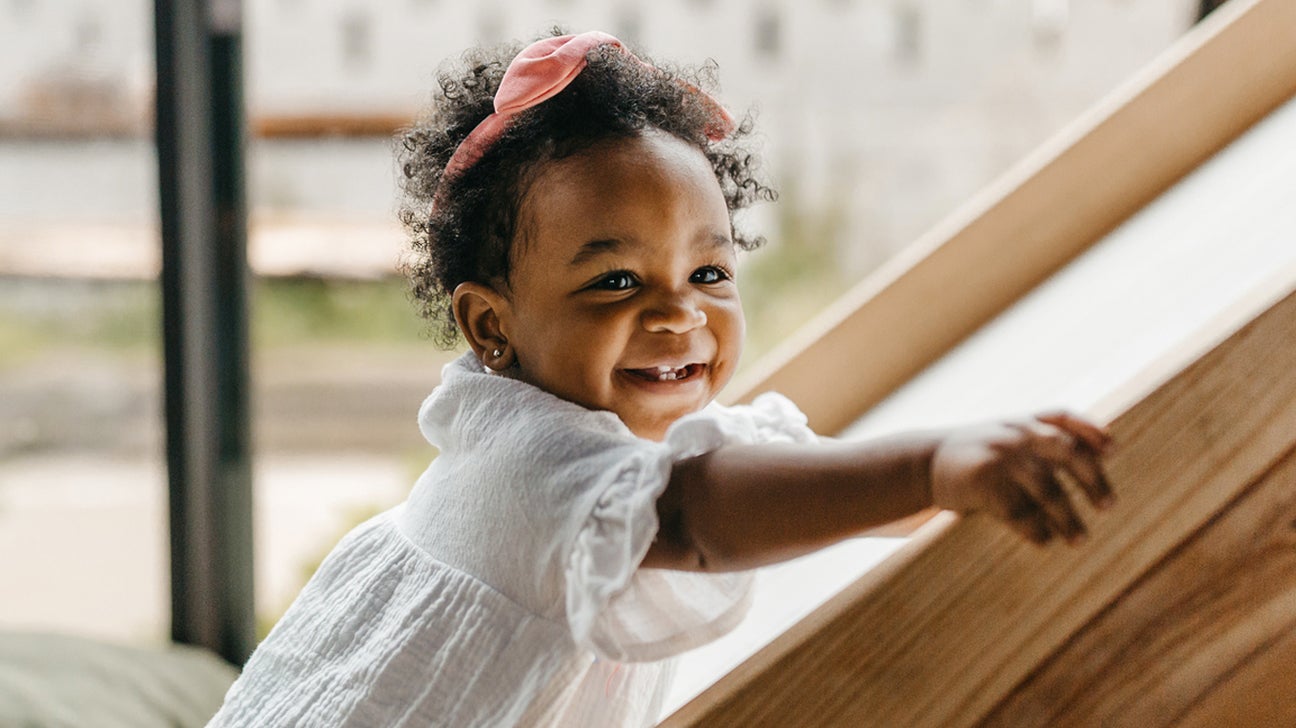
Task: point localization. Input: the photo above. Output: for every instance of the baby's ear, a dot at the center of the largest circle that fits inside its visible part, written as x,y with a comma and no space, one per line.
479,310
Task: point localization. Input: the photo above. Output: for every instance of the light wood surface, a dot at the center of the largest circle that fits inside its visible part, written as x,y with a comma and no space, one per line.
1188,635
1260,693
945,631
1163,282
1219,79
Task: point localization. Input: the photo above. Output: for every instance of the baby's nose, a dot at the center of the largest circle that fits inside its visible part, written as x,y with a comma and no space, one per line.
674,314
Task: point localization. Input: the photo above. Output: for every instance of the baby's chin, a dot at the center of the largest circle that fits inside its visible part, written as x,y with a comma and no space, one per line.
655,427
645,421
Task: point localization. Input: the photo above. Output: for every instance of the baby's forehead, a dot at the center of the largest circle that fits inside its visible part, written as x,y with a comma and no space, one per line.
648,151
558,244
622,171
622,195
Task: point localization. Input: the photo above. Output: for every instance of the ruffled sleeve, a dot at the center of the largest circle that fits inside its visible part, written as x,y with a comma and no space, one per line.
628,614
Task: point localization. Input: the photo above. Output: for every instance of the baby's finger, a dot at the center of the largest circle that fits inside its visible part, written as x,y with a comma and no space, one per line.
1073,455
1023,515
1046,441
1040,483
1094,436
1087,471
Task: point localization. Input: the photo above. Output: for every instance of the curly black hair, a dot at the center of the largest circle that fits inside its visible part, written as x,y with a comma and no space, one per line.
468,234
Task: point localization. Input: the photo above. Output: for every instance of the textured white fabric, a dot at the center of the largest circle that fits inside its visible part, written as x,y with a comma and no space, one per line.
506,589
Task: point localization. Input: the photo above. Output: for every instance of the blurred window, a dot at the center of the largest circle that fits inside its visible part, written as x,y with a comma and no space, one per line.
89,35
906,36
490,25
769,27
1048,24
629,24
357,40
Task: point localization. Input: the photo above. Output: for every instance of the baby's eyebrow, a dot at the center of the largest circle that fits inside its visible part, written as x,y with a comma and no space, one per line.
595,248
719,240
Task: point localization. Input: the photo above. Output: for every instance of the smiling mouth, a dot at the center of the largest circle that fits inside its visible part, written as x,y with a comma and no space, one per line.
667,374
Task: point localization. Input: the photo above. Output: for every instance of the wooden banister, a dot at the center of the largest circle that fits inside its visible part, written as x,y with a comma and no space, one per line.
1179,602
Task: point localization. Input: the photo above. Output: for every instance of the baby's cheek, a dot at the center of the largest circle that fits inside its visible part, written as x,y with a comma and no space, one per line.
731,328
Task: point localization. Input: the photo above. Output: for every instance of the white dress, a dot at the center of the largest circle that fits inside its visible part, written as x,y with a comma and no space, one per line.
506,589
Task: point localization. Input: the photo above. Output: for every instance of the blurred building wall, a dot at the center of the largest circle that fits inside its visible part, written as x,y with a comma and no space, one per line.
881,108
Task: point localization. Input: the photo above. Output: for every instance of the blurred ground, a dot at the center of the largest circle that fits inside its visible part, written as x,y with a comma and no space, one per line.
87,542
338,375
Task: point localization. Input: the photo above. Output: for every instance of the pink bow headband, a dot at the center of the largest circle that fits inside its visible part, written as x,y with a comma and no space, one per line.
538,73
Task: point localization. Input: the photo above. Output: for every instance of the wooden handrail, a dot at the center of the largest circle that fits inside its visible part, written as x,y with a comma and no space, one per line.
931,639
963,624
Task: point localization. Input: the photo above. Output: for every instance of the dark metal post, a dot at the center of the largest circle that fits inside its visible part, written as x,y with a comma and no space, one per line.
204,296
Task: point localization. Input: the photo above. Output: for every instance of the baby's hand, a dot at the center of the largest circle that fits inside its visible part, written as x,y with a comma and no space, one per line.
1011,471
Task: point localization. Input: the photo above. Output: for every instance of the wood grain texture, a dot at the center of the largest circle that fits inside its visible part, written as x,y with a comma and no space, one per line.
1206,90
946,630
1261,692
1183,639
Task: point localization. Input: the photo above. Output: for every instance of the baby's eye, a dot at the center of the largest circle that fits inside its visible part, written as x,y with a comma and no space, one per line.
616,281
709,274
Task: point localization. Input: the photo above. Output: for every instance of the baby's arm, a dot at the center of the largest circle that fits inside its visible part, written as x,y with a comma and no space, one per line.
745,506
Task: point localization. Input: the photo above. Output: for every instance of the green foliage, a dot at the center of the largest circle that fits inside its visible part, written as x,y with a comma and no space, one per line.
794,277
37,316
301,309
